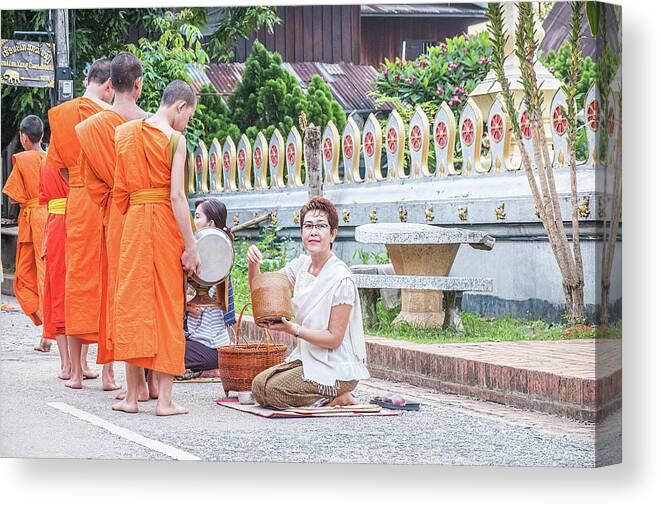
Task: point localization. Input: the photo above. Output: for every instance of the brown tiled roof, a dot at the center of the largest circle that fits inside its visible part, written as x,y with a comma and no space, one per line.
349,83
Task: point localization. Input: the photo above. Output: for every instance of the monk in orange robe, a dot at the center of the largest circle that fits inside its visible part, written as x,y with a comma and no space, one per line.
97,161
71,294
22,187
157,246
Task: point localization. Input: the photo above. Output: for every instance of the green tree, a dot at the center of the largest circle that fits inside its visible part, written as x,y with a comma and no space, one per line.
322,107
215,116
166,59
267,97
237,23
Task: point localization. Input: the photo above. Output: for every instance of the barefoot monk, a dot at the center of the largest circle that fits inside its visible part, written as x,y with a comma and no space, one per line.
97,161
157,245
68,290
22,187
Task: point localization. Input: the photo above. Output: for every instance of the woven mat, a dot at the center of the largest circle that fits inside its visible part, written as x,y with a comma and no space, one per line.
293,413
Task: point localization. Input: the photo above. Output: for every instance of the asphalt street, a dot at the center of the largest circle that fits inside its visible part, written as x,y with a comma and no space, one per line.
39,417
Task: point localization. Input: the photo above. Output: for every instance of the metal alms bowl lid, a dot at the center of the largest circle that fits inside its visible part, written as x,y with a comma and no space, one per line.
216,255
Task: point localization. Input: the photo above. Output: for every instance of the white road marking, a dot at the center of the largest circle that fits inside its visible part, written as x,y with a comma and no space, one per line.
154,445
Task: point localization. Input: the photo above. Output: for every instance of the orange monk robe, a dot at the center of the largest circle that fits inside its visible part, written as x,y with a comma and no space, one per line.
53,186
97,161
149,305
79,293
22,187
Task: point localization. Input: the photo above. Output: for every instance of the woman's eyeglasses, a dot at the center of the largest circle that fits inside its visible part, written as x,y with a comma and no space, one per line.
307,227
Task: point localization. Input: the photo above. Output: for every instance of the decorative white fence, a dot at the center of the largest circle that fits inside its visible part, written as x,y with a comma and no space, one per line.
277,163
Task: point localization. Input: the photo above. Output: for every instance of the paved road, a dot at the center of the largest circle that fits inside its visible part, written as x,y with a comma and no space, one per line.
39,417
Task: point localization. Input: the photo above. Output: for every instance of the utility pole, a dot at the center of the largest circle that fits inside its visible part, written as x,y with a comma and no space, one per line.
63,75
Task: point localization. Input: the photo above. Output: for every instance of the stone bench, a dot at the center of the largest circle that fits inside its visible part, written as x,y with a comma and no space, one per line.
452,287
369,295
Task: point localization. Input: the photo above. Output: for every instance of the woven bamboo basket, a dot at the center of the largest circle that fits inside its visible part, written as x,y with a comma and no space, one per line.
270,296
240,363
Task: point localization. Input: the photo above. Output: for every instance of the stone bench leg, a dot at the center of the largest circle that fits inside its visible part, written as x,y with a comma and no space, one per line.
452,308
368,299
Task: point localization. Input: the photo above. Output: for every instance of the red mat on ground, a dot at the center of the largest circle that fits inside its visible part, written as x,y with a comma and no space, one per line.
270,413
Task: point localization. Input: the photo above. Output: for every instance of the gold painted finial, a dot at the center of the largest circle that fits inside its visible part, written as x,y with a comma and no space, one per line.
429,213
584,207
346,215
500,211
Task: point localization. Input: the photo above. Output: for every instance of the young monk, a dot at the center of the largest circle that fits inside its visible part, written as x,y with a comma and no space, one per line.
97,161
22,187
156,241
60,171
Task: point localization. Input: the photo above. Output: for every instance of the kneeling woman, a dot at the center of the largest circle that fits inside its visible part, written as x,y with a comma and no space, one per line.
329,358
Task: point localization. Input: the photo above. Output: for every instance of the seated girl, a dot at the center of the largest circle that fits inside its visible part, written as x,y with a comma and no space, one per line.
329,358
206,327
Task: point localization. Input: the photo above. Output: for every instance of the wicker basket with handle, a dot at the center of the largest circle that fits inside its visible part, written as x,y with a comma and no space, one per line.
270,296
240,363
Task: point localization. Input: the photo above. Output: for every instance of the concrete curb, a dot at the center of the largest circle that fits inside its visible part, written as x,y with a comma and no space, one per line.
584,399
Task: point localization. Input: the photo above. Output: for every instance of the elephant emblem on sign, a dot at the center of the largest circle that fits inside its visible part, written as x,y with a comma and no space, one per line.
11,76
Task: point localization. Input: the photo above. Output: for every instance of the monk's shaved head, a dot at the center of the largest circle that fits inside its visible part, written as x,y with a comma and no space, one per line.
124,70
33,127
178,90
99,72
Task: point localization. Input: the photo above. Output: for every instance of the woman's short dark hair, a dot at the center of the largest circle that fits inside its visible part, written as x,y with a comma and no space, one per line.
324,205
215,210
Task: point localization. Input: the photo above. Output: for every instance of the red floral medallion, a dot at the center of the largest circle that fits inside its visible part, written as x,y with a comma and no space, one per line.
441,135
592,115
274,155
347,146
257,156
328,149
291,153
496,128
369,144
392,140
241,157
416,137
526,125
559,121
468,131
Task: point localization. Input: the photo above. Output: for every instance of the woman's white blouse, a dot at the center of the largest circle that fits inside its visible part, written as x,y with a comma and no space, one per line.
344,360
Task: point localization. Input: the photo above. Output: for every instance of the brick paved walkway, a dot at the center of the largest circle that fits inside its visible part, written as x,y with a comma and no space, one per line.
585,359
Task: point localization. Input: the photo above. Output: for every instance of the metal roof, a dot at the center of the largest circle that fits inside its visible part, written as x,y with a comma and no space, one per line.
349,83
463,10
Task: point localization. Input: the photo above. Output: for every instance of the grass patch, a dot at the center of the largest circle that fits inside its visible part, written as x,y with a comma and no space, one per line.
479,329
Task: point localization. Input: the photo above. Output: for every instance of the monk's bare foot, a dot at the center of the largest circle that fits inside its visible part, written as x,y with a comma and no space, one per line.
44,346
74,383
171,409
142,396
125,406
110,386
89,374
64,375
344,400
